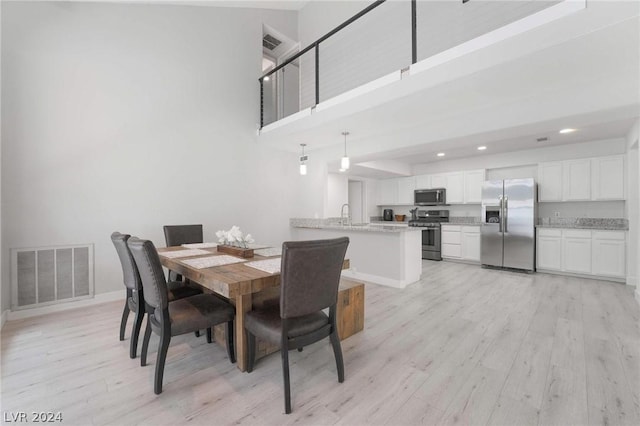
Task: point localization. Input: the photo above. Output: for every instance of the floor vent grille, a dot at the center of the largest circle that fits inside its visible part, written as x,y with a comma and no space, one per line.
48,275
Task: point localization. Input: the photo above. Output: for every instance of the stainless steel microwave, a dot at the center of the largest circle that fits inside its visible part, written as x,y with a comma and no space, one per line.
430,197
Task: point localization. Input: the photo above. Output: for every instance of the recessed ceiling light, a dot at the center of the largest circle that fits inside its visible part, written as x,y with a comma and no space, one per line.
482,148
441,154
564,131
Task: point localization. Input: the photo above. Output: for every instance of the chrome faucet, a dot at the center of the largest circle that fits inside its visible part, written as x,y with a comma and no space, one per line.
342,216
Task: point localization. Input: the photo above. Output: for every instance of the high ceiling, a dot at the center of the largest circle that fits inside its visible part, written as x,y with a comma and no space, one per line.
581,71
259,4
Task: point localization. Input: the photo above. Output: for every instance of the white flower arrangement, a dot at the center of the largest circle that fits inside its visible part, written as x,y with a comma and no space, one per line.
234,237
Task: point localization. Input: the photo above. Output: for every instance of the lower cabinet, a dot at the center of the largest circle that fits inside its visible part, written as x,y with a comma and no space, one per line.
581,251
461,242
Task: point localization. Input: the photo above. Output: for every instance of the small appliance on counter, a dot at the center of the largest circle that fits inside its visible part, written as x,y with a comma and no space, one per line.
430,221
387,215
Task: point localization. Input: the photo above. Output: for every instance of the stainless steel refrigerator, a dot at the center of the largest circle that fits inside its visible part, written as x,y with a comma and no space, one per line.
508,224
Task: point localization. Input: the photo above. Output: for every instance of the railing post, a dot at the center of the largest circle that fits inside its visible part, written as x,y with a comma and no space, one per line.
317,73
261,103
414,31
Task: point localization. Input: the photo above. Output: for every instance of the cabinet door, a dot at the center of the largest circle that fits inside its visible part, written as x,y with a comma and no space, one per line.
423,182
455,188
576,255
608,178
609,257
451,250
387,192
576,182
549,252
550,181
439,181
451,234
471,245
406,186
473,180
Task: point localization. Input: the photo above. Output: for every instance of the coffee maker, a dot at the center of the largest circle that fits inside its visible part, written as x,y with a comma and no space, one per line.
387,215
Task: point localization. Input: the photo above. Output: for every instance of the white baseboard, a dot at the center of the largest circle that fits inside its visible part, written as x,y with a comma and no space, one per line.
3,318
96,300
633,281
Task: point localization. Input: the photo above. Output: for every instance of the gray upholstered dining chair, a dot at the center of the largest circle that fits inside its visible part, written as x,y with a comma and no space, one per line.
167,318
309,280
135,295
175,235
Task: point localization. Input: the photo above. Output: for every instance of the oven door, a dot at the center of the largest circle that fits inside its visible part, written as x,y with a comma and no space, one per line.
431,243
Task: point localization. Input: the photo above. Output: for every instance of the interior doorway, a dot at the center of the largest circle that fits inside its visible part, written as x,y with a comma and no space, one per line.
281,90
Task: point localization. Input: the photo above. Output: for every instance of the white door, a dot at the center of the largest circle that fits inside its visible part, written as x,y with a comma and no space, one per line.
406,186
471,243
576,180
576,255
609,257
473,180
423,182
607,180
455,188
357,201
387,192
549,253
439,181
550,181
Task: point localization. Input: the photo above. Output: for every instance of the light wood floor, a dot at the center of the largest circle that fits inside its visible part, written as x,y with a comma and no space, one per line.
464,346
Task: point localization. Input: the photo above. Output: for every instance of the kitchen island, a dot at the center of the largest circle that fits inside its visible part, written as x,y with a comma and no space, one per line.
379,254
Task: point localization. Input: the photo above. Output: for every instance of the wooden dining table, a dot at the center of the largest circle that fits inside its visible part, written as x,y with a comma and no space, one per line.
242,285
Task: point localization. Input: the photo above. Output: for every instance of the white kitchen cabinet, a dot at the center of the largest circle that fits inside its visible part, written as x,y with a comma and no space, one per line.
439,181
549,249
471,243
387,192
576,251
423,182
461,242
473,180
406,186
550,181
455,188
608,254
607,178
576,180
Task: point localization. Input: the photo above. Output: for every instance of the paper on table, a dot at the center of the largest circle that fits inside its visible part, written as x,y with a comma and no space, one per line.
211,261
271,266
183,253
200,245
269,251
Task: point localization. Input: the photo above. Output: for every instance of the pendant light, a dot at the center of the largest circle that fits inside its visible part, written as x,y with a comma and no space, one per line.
303,161
344,163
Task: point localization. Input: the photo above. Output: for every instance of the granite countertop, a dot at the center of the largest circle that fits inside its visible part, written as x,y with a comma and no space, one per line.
604,224
331,224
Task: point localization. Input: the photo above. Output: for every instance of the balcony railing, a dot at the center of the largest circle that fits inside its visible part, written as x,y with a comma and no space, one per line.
390,38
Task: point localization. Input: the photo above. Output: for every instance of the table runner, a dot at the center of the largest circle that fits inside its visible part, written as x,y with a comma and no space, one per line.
211,261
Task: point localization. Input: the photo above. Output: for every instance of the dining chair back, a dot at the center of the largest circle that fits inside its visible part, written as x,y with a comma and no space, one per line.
176,235
310,276
135,300
170,318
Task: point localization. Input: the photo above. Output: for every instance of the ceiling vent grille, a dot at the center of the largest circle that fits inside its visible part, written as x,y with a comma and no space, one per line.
270,42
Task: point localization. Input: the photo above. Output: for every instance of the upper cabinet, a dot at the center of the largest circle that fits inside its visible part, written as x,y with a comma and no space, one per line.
473,180
550,181
462,187
607,178
576,180
589,179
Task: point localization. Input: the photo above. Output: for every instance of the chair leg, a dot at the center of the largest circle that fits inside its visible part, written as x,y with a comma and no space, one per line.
163,347
197,333
209,335
125,316
337,351
228,333
135,332
145,343
285,375
251,349
300,349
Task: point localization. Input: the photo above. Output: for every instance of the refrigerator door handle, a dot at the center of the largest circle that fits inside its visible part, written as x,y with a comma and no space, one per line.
505,203
500,215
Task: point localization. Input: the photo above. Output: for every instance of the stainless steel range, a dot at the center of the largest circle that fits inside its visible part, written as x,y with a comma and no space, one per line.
430,220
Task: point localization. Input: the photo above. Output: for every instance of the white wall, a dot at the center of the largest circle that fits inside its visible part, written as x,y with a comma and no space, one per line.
131,116
337,194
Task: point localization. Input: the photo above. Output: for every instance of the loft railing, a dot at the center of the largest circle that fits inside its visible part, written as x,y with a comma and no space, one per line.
442,27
